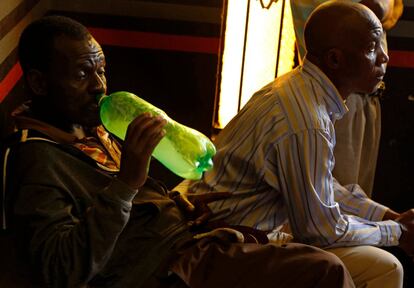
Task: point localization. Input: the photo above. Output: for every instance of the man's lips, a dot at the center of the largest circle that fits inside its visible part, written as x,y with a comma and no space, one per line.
380,76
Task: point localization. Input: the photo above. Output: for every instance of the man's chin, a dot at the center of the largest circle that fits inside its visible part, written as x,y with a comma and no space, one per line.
373,89
379,88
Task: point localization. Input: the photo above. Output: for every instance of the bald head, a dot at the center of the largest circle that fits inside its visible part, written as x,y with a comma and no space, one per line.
334,24
344,39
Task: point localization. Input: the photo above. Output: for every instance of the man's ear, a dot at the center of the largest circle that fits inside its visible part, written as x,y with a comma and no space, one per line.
37,82
333,58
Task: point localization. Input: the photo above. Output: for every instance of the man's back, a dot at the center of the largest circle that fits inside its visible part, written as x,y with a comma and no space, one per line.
256,150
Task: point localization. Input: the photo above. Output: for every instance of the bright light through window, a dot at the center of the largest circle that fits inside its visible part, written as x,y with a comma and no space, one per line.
250,60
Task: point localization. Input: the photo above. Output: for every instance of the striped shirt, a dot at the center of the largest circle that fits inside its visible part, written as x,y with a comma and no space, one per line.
276,156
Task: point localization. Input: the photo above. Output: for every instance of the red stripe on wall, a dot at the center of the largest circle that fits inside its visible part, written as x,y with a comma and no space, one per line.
7,84
148,40
133,39
402,59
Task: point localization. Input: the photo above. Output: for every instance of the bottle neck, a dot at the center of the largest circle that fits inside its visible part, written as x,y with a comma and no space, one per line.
100,97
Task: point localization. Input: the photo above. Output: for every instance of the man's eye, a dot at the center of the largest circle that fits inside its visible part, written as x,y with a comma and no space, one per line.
372,47
81,74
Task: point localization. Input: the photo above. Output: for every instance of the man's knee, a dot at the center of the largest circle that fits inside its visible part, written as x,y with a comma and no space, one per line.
389,270
393,266
334,271
328,270
371,266
384,263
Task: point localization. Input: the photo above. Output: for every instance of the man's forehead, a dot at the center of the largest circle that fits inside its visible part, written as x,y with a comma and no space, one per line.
77,49
368,28
373,31
373,23
94,45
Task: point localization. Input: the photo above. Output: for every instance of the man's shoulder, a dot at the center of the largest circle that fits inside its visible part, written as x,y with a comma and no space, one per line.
30,146
32,142
300,102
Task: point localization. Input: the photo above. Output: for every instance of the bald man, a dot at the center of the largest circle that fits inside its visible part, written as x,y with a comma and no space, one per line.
358,132
276,155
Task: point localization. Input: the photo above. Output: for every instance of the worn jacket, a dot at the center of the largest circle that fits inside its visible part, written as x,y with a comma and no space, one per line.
77,225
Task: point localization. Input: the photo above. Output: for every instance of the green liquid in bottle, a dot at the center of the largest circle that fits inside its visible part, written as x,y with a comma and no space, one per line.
183,150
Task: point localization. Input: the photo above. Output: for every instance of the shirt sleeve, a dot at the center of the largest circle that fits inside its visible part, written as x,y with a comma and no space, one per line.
305,161
353,200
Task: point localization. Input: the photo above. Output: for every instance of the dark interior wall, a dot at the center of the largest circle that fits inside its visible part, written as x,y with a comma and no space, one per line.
14,16
164,51
394,182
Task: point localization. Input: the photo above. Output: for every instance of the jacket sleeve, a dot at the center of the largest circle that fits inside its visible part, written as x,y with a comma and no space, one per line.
69,239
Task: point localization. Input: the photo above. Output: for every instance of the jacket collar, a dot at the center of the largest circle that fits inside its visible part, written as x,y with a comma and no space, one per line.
55,134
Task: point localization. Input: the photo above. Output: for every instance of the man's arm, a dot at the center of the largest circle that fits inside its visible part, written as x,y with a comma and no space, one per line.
353,200
70,214
69,228
406,220
306,162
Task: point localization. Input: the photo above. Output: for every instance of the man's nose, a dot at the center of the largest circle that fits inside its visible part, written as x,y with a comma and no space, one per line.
98,83
383,56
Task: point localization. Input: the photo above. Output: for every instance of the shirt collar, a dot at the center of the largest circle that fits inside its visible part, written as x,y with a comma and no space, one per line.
334,103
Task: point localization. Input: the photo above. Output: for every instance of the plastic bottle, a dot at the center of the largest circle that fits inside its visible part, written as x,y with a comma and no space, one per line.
183,150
